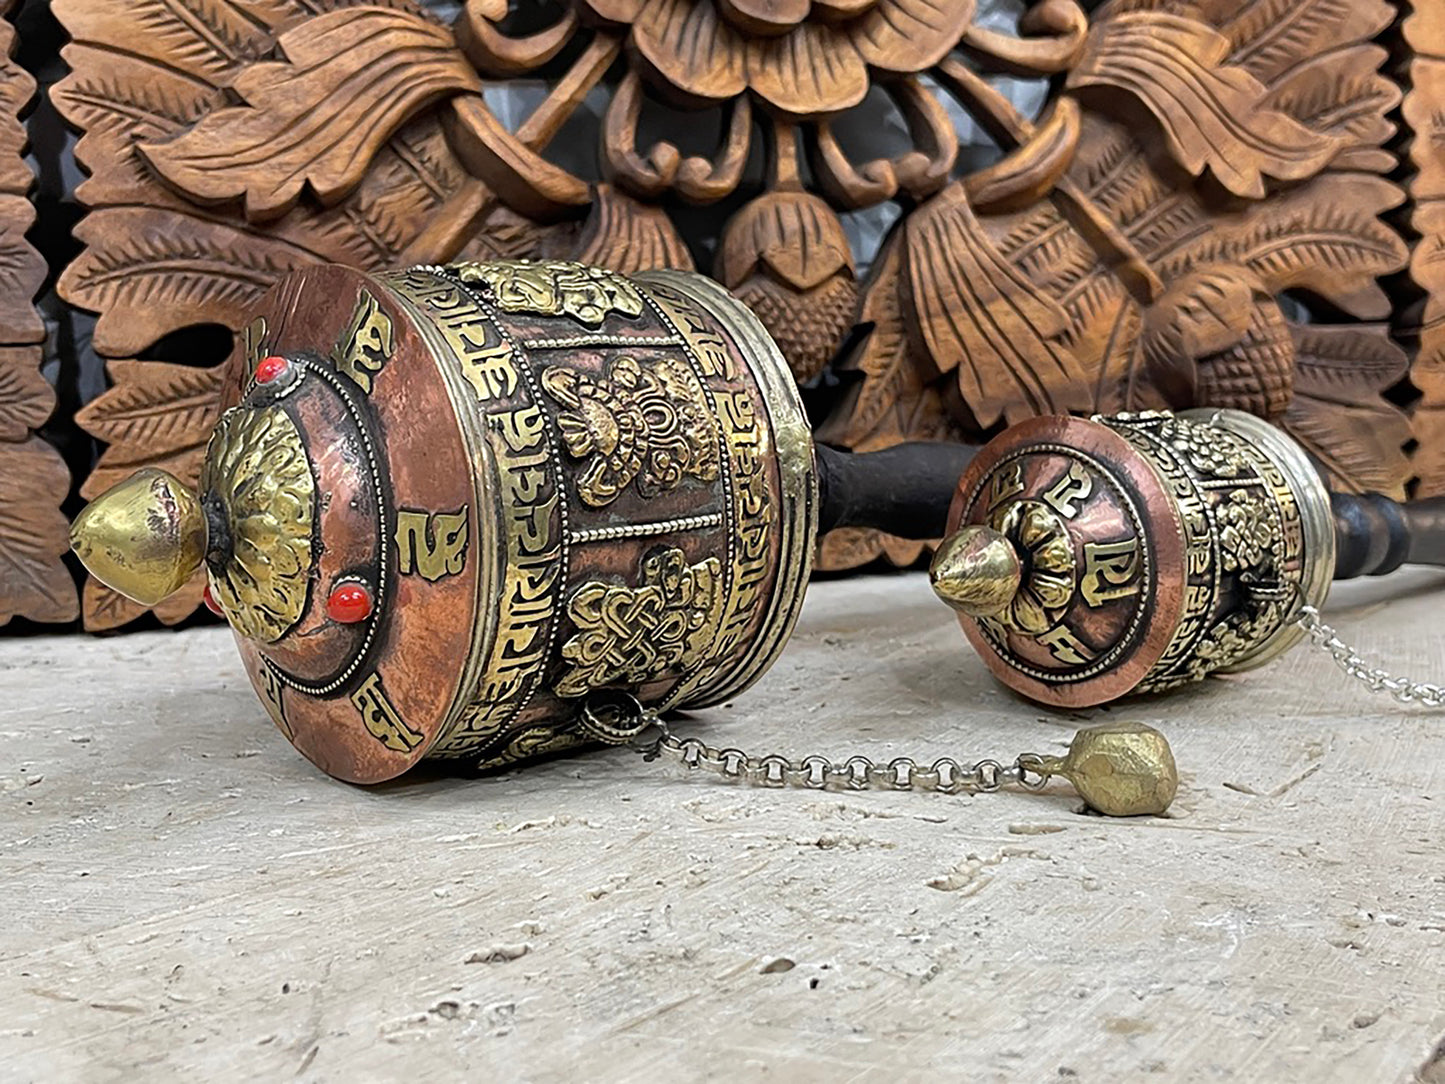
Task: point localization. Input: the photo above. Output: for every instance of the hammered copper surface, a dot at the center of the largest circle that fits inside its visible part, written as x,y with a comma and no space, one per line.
403,434
1125,577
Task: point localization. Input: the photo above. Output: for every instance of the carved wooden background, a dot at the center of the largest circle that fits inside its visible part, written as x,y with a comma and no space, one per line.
1423,324
1201,214
34,480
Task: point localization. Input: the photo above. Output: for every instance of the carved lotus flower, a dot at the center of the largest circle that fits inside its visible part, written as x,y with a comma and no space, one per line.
803,57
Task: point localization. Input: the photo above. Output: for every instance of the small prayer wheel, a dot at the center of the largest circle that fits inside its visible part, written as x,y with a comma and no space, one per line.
1092,558
448,503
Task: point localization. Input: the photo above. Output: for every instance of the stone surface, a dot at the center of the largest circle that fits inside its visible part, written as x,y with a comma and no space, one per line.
186,897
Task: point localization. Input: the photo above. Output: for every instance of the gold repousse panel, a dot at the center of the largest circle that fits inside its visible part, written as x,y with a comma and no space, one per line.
256,464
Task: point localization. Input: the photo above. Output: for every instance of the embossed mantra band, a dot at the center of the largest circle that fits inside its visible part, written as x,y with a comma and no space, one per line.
485,512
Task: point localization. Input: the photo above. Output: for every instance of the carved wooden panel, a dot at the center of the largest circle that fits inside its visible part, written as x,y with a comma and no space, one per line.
1424,113
1198,168
1201,162
33,478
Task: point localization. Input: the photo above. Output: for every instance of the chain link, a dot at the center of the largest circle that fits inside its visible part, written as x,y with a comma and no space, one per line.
816,772
1373,678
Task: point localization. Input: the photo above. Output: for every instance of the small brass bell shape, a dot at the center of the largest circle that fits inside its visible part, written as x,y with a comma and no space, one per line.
1120,769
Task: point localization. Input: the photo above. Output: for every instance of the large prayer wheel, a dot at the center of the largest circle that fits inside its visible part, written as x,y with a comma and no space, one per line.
449,503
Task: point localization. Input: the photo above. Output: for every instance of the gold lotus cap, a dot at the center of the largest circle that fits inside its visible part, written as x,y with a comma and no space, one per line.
144,537
252,526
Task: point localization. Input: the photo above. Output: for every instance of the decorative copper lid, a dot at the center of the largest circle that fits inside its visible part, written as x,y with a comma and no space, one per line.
398,549
1100,545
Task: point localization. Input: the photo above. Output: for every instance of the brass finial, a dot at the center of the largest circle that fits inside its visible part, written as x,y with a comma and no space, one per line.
977,571
1121,770
144,537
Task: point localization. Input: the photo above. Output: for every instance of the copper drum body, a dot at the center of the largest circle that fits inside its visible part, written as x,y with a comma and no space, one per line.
1154,549
550,479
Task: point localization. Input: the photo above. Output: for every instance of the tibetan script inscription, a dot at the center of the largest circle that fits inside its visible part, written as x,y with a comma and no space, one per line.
431,545
381,718
1074,486
1111,571
366,345
271,690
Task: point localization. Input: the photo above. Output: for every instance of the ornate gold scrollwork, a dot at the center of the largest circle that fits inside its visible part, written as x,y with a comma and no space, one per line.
554,288
257,466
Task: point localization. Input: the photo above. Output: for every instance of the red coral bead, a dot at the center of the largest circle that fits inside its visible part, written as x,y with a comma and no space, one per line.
268,369
211,603
349,603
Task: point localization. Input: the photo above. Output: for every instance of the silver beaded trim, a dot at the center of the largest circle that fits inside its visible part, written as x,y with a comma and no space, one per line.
648,530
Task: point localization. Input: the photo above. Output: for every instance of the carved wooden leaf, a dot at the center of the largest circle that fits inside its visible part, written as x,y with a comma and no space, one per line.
1424,324
208,39
892,403
626,235
33,534
151,271
868,419
1344,95
116,100
22,270
26,397
1211,113
1269,37
978,313
351,78
34,480
1327,237
17,87
1338,412
162,408
104,608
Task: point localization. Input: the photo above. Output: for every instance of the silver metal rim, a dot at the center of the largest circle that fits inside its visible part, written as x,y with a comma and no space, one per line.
798,471
1317,523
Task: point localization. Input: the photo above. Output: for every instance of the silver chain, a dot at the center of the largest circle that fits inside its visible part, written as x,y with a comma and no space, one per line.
618,718
816,772
1373,678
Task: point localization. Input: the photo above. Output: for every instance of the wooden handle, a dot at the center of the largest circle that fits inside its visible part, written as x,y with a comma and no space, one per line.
1375,535
904,490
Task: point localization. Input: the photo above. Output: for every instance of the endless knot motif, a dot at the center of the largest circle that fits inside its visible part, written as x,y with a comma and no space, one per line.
636,634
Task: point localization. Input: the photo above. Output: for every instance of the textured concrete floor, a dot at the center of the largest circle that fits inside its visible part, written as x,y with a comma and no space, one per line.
185,897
